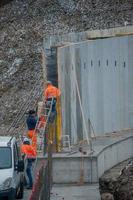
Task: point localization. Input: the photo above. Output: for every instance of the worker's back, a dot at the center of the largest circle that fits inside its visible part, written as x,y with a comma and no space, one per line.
28,150
51,91
31,122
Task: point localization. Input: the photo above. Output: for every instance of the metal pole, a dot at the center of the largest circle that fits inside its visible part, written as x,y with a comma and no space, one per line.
89,134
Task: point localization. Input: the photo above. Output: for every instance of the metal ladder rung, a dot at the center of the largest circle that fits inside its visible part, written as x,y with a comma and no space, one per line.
66,141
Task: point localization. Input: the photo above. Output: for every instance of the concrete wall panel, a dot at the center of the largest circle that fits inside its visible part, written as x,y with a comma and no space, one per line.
104,73
70,169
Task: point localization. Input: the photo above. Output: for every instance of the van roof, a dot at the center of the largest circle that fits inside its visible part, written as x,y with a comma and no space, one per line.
5,139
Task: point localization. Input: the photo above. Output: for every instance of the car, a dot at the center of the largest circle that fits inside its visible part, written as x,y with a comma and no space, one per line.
11,169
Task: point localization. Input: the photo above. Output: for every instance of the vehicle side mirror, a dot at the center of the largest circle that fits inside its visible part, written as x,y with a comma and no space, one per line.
20,167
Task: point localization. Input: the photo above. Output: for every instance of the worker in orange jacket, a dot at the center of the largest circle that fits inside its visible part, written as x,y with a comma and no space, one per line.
31,124
32,135
29,155
51,92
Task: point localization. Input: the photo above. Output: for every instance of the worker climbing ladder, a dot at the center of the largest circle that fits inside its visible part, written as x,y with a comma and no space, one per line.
48,126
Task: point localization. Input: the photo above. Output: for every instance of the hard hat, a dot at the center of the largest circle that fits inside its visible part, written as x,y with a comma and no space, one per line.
26,140
49,82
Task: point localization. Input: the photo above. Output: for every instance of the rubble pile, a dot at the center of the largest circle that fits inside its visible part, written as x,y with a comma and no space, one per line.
24,24
119,185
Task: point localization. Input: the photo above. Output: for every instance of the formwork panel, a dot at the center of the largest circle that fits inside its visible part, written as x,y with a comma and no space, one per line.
79,87
130,79
104,73
73,99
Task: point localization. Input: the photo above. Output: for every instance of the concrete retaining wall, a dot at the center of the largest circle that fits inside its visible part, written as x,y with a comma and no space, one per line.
68,169
75,37
104,74
114,154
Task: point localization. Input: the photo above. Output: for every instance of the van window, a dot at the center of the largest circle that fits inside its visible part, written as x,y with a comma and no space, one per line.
5,158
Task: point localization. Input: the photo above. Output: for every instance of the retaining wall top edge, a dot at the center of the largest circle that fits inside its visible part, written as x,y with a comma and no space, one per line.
93,34
114,143
77,155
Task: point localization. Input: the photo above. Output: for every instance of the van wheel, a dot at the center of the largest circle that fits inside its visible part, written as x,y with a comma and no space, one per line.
20,194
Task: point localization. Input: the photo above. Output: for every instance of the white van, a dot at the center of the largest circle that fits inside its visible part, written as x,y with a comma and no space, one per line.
11,169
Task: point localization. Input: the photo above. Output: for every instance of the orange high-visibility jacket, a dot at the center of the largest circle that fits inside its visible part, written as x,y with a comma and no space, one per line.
32,134
28,150
51,91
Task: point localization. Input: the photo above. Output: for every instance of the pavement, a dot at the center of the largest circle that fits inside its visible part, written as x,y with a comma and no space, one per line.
26,194
87,192
74,192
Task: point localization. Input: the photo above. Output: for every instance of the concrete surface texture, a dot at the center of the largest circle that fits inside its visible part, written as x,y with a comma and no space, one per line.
101,72
108,152
71,192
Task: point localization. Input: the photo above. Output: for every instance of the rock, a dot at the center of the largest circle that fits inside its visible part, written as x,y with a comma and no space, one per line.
107,196
118,184
17,62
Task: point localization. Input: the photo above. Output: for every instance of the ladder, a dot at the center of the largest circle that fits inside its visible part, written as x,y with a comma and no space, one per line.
42,131
66,145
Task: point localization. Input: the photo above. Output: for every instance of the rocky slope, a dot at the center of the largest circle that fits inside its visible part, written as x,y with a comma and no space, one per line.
24,24
117,183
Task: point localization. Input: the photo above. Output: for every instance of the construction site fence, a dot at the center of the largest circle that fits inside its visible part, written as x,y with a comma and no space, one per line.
43,180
